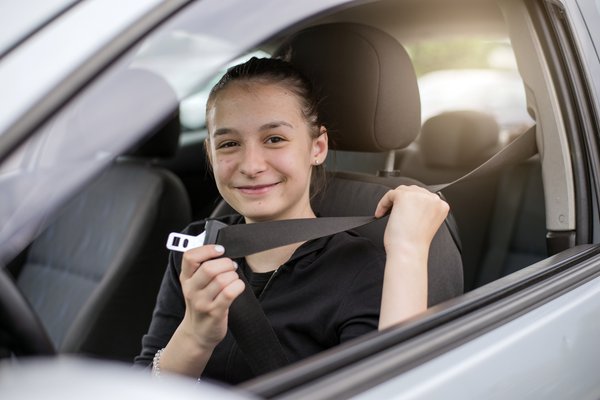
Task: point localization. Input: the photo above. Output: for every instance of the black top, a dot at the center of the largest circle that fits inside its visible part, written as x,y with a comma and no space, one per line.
328,292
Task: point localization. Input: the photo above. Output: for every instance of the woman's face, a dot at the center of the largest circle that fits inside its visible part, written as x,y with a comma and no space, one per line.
262,152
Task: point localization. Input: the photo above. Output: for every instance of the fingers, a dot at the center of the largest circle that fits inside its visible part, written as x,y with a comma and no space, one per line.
415,216
209,282
226,296
193,258
385,204
409,194
215,285
217,297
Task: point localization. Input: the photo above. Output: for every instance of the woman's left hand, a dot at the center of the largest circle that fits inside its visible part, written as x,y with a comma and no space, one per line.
416,215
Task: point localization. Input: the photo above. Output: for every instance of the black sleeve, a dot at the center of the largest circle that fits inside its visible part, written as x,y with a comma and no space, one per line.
359,310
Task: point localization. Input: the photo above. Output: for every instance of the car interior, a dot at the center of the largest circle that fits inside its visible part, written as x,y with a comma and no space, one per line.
94,289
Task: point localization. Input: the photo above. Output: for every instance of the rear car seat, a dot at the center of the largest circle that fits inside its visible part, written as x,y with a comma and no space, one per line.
450,145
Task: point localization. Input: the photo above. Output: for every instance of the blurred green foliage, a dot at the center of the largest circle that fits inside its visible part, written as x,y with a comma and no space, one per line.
458,54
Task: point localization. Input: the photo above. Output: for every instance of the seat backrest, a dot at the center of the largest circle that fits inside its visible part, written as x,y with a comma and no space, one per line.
371,104
93,274
517,232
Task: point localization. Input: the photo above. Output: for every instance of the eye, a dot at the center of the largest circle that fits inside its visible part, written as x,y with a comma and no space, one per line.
275,139
227,144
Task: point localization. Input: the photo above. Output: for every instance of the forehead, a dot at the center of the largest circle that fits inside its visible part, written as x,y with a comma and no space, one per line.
259,88
241,99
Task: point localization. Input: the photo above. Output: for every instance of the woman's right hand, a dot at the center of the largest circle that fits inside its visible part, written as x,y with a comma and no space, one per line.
210,284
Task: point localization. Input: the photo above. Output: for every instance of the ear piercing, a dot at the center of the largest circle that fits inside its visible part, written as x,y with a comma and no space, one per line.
317,162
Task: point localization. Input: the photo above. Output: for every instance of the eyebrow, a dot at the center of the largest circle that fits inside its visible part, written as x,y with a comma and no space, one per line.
265,127
274,125
222,131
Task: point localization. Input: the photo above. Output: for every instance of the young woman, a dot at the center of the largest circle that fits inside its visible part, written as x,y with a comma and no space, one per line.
266,145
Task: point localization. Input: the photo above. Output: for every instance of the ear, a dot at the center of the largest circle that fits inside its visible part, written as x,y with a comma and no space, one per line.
320,146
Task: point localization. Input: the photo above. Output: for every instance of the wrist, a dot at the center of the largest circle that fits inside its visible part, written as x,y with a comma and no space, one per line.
406,250
183,355
195,342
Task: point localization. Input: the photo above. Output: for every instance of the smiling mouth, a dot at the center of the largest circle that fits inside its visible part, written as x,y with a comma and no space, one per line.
256,189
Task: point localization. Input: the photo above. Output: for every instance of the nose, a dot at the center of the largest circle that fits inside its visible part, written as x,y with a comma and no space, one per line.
253,161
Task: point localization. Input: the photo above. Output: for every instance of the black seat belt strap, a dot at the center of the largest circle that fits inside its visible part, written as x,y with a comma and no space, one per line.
520,149
241,240
254,334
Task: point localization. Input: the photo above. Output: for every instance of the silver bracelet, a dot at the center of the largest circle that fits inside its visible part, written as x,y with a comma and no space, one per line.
156,363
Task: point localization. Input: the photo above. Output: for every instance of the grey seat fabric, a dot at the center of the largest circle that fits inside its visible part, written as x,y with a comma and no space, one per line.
372,107
93,275
517,232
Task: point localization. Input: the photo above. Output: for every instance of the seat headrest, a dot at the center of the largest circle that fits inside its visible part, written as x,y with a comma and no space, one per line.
368,86
458,139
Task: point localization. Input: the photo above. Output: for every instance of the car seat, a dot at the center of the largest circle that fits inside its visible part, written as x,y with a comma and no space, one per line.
93,274
370,104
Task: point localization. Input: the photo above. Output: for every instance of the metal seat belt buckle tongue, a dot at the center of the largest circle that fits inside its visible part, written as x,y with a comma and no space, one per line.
182,242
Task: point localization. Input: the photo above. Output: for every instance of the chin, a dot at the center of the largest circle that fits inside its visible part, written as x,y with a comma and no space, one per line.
260,217
256,215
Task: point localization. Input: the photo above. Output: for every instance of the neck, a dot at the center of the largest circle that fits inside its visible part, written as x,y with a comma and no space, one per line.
272,259
308,213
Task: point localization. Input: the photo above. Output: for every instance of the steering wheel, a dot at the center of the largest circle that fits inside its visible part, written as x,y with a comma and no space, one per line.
21,332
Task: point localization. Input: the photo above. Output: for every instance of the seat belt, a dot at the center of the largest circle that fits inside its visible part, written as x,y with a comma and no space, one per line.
247,320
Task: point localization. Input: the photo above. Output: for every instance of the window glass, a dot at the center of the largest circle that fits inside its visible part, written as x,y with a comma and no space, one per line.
471,74
192,107
591,12
19,19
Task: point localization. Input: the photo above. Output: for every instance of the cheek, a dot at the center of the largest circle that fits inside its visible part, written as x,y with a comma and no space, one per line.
222,167
295,163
